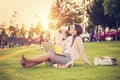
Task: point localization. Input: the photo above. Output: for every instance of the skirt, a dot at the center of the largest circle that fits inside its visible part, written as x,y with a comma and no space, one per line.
59,58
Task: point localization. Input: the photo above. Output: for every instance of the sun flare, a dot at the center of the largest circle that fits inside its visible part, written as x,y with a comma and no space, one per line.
45,23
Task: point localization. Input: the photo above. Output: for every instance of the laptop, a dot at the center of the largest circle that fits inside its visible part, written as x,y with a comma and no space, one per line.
48,47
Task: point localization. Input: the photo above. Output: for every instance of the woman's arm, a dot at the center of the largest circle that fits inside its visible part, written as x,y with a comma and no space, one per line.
82,51
61,43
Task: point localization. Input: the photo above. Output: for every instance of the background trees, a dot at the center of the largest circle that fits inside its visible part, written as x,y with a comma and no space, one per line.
64,12
105,13
96,15
112,9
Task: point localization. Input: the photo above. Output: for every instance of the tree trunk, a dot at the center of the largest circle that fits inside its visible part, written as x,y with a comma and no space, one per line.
104,33
97,34
116,30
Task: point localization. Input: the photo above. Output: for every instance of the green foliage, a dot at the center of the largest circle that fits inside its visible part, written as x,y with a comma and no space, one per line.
97,15
89,27
64,12
112,8
22,31
3,34
10,68
31,32
38,28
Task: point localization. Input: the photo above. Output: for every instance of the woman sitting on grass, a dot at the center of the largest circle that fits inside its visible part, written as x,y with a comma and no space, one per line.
72,49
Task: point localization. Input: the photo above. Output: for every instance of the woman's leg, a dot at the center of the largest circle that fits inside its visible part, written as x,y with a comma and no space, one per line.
37,59
34,61
26,65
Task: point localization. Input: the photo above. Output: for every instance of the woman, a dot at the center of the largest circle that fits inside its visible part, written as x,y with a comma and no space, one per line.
73,48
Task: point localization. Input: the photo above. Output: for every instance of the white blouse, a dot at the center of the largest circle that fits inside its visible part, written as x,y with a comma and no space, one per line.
67,48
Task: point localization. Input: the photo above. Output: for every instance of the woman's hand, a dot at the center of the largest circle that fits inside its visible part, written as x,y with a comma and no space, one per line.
88,63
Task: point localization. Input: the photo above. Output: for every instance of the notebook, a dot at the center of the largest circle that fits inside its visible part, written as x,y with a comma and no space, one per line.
48,47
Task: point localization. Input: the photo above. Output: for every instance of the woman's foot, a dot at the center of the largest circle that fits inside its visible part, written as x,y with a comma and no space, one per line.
24,62
25,65
24,59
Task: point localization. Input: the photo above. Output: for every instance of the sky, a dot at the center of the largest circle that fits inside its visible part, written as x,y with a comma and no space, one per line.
29,11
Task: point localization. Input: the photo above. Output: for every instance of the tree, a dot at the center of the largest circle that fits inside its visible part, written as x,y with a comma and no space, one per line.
97,16
3,34
13,28
12,31
38,28
31,33
22,31
64,12
96,13
13,18
112,9
17,31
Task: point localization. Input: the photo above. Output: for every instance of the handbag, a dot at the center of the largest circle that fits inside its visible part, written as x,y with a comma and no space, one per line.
105,60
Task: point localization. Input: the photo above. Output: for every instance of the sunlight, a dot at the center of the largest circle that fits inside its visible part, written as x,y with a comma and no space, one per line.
45,23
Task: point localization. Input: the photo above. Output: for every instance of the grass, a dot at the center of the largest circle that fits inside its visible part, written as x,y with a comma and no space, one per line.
10,68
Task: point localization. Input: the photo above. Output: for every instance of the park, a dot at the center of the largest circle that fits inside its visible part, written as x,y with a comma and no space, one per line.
25,24
10,68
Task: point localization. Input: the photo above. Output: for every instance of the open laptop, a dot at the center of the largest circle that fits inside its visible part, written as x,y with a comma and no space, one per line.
48,47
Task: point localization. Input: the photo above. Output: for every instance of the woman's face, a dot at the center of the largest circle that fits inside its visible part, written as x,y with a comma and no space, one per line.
72,30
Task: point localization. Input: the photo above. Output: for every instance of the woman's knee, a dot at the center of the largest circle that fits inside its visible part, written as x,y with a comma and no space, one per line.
50,53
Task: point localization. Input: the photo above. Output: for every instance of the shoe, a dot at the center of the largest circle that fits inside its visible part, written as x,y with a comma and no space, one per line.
55,65
69,64
60,66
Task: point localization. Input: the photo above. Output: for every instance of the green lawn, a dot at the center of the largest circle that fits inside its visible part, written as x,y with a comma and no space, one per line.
10,68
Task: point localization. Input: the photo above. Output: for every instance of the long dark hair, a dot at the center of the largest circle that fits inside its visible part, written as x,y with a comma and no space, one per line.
79,30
